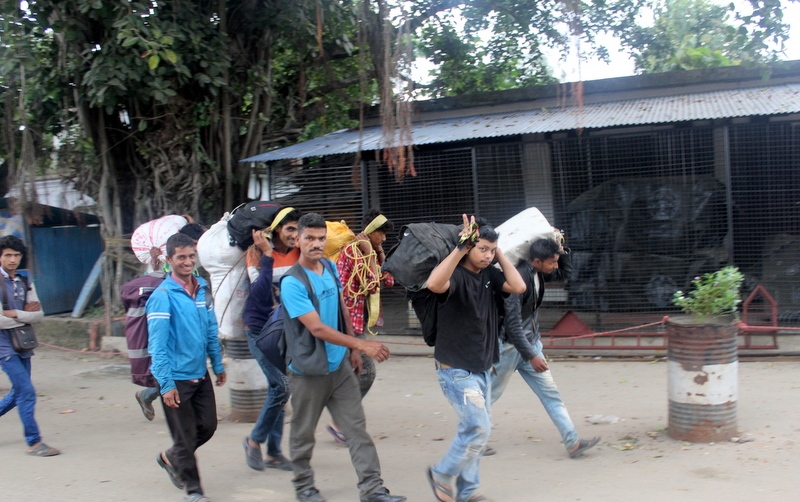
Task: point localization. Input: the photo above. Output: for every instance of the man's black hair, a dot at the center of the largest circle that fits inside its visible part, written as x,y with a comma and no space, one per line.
371,215
12,242
543,249
487,231
179,240
310,220
193,230
293,215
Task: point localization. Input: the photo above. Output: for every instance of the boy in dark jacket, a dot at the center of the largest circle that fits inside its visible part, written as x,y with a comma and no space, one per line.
521,349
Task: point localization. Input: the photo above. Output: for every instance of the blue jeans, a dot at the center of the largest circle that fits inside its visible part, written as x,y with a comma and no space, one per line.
542,384
269,426
470,396
22,395
149,394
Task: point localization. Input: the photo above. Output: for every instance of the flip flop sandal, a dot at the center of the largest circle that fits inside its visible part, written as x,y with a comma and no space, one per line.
279,462
252,455
583,445
42,450
438,488
147,408
339,437
171,471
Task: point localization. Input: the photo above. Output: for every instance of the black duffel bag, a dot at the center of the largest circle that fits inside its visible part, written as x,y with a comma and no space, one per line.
422,246
248,217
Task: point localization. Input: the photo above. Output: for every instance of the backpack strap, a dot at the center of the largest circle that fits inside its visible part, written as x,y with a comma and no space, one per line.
301,276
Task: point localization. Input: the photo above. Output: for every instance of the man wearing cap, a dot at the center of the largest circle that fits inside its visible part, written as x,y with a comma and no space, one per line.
273,252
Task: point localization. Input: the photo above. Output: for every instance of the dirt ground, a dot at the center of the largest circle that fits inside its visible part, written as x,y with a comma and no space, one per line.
86,408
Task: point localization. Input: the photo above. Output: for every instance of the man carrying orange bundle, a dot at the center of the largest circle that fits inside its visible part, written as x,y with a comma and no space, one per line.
359,266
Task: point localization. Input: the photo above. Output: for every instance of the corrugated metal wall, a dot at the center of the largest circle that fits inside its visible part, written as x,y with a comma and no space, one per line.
63,256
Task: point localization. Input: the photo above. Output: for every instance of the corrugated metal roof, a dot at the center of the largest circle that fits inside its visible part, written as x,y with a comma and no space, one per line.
767,100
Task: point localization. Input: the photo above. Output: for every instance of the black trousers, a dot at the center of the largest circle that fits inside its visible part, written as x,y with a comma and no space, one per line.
191,424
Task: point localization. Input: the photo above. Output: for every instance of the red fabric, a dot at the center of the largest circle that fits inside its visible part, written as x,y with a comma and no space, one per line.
354,301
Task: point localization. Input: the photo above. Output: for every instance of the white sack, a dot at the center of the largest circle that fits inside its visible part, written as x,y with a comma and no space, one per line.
225,265
518,232
155,233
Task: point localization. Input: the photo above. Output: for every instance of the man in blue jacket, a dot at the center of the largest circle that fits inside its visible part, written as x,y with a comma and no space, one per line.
182,335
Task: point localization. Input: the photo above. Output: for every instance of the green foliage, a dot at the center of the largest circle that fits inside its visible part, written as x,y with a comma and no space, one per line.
154,102
488,46
715,293
697,34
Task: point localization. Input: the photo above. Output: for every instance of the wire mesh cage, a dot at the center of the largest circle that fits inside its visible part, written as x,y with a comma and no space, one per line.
645,211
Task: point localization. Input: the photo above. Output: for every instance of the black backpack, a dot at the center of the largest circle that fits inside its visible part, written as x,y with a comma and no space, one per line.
426,307
248,217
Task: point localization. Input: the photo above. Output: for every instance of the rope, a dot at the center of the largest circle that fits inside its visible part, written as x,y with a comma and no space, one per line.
92,352
362,273
621,330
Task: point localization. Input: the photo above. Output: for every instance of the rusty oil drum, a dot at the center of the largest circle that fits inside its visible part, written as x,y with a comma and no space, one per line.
703,379
247,384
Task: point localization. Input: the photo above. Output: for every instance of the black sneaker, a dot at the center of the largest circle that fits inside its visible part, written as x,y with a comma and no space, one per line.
383,495
310,495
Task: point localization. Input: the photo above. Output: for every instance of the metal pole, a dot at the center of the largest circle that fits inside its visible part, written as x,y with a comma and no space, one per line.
726,152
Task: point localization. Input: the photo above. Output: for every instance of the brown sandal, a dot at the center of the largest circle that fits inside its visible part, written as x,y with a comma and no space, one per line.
42,450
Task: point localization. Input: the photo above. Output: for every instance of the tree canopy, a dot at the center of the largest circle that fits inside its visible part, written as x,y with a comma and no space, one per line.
696,34
150,104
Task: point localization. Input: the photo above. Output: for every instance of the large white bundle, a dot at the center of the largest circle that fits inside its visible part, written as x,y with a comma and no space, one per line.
226,266
155,233
518,232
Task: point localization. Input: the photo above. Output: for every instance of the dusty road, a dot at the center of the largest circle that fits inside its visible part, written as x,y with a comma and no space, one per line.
86,408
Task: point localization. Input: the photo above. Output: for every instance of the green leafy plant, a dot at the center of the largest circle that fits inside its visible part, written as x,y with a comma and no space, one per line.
716,293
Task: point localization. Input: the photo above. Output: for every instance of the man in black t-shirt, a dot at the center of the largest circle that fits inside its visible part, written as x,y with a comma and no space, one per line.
466,347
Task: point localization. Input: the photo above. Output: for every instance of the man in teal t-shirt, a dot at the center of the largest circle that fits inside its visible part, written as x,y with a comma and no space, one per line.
338,390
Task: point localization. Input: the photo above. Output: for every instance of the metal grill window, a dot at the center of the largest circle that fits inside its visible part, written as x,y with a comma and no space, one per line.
499,175
327,187
643,214
445,188
765,187
441,191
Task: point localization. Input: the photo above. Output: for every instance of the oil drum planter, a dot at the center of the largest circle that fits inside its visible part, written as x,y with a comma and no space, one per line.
703,372
703,359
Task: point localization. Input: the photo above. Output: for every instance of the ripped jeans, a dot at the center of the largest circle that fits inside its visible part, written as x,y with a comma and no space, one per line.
470,396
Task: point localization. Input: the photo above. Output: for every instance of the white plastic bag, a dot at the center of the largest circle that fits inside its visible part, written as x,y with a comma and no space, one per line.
155,233
518,232
225,265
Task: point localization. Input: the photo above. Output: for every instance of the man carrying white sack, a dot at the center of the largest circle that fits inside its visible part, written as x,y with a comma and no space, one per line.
521,344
